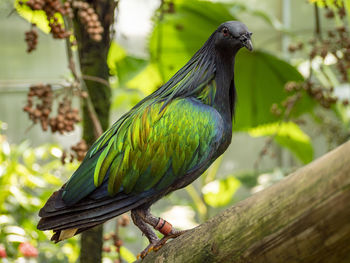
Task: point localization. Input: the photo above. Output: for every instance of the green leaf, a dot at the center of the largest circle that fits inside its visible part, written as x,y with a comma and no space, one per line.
178,36
220,192
127,255
288,135
260,79
247,178
124,66
147,81
129,67
115,54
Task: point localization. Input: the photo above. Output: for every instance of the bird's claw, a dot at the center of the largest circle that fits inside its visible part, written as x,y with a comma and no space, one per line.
145,252
156,245
162,242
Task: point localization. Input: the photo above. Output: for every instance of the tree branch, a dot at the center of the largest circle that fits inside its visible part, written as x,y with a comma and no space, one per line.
303,218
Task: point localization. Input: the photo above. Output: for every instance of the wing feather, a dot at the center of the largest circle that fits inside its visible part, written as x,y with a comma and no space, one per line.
155,146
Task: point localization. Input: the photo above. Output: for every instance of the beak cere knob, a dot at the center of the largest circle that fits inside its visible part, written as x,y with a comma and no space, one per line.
246,41
248,44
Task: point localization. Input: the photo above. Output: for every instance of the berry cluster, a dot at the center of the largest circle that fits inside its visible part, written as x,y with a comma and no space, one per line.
51,7
66,117
124,221
337,44
322,95
57,30
292,48
39,107
89,18
80,150
77,151
31,38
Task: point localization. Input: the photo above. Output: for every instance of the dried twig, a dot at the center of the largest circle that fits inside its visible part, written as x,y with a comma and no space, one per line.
80,83
96,79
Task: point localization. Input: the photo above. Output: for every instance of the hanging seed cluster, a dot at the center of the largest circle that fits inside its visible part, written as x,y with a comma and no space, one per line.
85,12
116,243
337,43
80,150
51,7
39,104
324,96
39,107
89,19
31,38
66,117
77,151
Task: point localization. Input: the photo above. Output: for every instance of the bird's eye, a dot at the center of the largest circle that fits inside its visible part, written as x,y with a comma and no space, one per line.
225,31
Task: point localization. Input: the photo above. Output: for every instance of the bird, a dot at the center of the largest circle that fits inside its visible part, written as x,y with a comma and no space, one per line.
162,144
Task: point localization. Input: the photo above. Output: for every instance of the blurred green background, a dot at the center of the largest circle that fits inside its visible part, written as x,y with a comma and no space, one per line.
150,44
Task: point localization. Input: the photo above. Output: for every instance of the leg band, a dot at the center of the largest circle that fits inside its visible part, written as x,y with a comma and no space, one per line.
163,227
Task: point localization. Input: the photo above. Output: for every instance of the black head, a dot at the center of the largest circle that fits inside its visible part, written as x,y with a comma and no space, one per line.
233,35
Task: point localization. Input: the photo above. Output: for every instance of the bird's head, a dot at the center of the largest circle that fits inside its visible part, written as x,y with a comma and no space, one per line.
233,35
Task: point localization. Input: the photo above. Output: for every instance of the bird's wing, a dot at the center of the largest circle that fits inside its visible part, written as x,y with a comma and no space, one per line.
148,150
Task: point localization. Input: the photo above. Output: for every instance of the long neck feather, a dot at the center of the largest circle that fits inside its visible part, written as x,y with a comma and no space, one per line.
191,78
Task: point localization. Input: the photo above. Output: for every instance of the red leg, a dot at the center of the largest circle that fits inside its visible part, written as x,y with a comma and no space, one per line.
160,225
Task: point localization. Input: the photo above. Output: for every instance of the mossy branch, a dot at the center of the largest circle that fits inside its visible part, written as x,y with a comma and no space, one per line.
303,218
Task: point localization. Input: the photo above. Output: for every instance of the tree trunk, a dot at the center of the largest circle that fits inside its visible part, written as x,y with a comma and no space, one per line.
303,218
94,69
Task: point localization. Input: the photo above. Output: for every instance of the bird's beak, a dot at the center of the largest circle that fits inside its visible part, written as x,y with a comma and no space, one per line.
248,44
246,41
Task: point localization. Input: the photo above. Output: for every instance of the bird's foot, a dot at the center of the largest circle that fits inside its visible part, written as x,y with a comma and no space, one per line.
147,250
173,234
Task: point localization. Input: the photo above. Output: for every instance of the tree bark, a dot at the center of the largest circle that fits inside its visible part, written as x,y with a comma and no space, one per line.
94,69
303,218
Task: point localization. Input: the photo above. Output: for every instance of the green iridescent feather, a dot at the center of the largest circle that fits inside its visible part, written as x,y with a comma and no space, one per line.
154,144
151,143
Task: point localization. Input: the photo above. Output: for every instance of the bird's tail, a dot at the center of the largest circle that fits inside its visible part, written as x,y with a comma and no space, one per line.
67,221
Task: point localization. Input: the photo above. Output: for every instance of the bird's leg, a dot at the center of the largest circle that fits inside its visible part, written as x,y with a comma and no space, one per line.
160,225
146,230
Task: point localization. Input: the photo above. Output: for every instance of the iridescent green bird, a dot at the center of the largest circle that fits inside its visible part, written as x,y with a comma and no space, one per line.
162,144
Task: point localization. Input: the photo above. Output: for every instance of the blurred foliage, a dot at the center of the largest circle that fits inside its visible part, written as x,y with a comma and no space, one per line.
260,82
332,3
179,33
289,135
221,191
28,176
125,66
324,60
